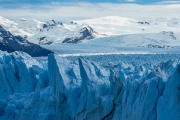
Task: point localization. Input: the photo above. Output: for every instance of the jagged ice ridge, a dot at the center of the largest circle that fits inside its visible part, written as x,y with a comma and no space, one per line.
61,89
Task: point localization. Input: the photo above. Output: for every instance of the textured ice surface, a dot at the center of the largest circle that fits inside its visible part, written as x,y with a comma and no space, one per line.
65,89
18,73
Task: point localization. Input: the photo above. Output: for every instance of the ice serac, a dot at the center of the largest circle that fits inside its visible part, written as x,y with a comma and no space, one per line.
169,104
18,74
80,88
11,43
64,79
75,90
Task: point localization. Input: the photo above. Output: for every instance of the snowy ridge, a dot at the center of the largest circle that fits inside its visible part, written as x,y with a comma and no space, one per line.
113,25
85,90
110,20
22,27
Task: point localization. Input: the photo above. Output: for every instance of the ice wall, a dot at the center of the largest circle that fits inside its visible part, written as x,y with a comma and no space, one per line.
77,90
18,73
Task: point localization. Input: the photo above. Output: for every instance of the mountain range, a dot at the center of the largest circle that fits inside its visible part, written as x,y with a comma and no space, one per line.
106,31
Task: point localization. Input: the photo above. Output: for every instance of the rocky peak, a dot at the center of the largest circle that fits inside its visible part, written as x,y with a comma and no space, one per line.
85,32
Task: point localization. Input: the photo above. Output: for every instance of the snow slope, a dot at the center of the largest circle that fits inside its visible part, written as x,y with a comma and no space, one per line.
164,38
168,22
82,89
22,26
113,25
163,42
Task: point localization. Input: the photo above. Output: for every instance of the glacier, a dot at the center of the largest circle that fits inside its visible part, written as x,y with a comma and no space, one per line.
64,89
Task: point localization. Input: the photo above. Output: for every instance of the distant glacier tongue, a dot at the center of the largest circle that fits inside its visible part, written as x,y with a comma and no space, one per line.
83,90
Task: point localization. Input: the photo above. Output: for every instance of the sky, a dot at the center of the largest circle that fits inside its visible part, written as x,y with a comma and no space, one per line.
89,1
63,10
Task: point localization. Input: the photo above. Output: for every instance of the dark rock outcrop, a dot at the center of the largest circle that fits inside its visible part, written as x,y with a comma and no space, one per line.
140,22
170,33
11,43
44,41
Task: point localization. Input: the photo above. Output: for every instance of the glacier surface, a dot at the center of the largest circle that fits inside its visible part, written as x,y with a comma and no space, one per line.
63,89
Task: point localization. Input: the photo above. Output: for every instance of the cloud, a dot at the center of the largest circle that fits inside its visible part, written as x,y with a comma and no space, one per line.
170,2
127,1
73,11
55,3
131,0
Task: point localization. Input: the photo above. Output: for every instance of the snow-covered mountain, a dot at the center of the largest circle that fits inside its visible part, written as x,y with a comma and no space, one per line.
85,33
11,43
107,27
52,32
113,25
57,32
77,90
49,32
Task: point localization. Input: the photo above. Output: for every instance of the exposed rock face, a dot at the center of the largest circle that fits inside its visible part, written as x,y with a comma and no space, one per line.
169,33
44,41
140,22
11,43
158,46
